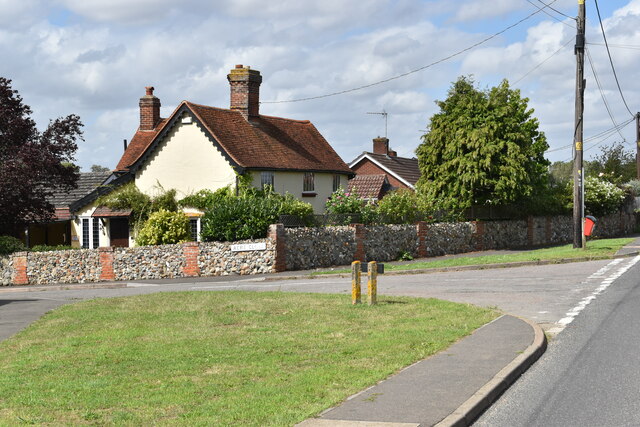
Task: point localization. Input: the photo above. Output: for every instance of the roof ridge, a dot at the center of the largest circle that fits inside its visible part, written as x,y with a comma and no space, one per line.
194,104
286,119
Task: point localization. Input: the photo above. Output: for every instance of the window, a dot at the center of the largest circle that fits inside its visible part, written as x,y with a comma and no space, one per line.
308,184
90,233
85,233
194,226
96,233
336,182
266,178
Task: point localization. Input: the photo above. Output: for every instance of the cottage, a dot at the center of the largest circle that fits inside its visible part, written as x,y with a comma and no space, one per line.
201,147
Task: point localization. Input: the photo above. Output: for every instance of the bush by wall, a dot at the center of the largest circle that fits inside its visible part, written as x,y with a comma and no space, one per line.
248,215
9,244
164,227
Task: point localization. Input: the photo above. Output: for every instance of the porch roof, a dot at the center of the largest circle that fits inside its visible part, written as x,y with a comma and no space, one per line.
105,212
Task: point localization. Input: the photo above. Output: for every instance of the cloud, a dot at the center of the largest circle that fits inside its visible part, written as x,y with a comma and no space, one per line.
120,11
97,62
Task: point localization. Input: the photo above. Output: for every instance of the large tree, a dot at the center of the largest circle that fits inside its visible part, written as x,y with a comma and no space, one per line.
482,148
33,164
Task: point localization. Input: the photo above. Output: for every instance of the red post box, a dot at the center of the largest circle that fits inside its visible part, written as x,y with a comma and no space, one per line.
589,224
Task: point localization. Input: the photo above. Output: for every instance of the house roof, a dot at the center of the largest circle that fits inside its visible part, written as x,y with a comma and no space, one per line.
369,186
264,142
404,169
87,182
138,144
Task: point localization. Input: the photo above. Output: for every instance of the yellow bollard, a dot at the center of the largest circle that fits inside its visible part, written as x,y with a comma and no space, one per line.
372,284
355,282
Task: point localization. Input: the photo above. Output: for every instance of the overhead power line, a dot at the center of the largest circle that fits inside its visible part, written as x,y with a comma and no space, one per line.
545,60
556,10
604,36
605,134
549,14
604,98
620,46
453,55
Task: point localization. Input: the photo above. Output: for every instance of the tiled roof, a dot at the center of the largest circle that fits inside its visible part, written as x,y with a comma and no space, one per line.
402,167
105,212
270,142
87,182
263,143
138,144
369,186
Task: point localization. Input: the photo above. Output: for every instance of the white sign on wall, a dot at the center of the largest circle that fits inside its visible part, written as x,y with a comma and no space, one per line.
243,247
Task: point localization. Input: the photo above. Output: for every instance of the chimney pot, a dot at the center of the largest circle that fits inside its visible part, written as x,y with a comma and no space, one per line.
149,110
381,145
245,90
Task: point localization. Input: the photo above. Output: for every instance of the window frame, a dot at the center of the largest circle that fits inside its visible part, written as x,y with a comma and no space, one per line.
337,182
308,184
269,177
198,229
89,232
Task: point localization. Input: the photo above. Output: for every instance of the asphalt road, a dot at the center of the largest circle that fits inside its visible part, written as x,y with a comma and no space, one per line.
589,375
544,294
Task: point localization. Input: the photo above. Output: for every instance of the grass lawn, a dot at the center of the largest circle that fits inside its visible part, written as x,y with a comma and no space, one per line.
215,358
595,249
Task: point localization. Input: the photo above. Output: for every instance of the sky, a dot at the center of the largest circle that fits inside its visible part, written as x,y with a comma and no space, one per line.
94,58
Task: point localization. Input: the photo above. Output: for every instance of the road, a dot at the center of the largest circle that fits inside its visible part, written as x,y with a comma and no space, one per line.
589,375
544,294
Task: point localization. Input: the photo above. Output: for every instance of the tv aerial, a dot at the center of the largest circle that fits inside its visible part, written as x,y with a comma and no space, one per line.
384,114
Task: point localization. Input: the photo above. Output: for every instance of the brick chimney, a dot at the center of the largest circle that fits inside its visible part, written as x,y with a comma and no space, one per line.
381,145
245,90
149,110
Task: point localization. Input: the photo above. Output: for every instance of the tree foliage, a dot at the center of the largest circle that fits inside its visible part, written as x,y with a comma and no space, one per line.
33,164
482,148
99,168
614,164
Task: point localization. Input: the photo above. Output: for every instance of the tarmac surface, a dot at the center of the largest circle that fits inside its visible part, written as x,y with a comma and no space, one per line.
451,388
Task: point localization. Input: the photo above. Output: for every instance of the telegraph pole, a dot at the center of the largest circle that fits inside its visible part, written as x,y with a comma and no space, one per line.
638,145
578,172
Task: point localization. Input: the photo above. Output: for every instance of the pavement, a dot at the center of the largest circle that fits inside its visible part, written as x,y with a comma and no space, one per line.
451,388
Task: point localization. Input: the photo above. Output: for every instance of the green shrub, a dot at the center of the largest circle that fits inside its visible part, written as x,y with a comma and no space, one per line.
341,202
293,206
602,197
204,199
48,248
634,186
164,227
248,215
402,206
9,244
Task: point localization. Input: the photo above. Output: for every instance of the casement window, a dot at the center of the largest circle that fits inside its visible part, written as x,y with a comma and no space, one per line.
194,226
336,182
95,233
266,178
308,183
90,233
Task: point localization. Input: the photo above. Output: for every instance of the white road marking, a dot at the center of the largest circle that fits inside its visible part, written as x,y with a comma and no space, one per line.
604,284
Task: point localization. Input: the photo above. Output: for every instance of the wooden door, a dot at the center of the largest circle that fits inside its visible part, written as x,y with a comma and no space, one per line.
119,232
